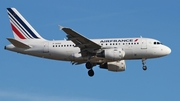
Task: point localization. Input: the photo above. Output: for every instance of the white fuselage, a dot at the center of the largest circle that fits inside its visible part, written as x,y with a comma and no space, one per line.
108,53
134,48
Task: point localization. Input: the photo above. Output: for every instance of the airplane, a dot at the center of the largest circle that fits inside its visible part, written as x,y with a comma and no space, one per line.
109,53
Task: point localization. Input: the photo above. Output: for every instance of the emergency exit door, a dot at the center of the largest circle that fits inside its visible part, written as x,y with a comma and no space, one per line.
143,43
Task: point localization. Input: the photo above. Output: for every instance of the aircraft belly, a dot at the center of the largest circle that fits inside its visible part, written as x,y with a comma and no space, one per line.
65,54
128,53
136,53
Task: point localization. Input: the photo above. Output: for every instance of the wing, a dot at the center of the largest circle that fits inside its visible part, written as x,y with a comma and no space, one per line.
87,46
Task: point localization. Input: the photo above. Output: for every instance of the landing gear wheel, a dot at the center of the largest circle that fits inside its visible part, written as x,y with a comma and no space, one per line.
144,64
144,68
89,65
91,73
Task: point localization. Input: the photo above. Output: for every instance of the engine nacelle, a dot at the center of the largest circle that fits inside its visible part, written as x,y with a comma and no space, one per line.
112,54
114,66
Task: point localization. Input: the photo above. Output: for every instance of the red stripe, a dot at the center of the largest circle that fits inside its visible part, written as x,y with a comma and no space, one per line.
17,32
135,40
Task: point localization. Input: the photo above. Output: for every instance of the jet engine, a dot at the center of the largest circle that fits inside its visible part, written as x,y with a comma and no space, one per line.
112,54
116,66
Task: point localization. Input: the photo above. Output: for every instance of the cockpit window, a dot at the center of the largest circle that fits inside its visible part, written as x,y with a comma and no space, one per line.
157,43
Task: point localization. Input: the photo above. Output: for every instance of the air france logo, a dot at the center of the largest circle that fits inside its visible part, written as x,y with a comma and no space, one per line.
120,40
135,40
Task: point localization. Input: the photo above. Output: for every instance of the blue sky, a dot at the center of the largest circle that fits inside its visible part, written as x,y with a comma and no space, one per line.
27,78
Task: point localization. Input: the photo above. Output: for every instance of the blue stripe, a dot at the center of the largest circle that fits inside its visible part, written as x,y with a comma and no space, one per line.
21,22
14,21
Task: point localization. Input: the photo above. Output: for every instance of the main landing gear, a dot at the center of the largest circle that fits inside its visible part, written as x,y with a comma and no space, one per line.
144,64
90,66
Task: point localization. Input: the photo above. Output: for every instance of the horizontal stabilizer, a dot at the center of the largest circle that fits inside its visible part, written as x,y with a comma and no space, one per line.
18,44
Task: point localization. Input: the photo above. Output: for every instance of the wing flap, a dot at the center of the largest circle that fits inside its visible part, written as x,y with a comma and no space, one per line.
18,44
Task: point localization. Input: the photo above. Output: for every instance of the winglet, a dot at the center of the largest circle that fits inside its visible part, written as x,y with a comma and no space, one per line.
60,27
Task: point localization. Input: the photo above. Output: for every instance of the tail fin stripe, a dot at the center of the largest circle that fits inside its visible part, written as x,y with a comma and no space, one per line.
21,22
17,32
19,27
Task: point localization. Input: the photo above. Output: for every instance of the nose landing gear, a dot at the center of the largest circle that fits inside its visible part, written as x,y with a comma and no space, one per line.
144,68
144,64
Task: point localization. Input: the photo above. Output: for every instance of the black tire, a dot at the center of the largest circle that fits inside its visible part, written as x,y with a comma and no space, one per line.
91,73
89,65
144,68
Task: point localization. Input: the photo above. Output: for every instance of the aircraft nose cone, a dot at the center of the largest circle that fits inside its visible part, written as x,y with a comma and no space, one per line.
168,50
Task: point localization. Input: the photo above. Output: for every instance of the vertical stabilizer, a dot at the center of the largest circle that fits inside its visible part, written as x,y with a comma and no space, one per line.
22,30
